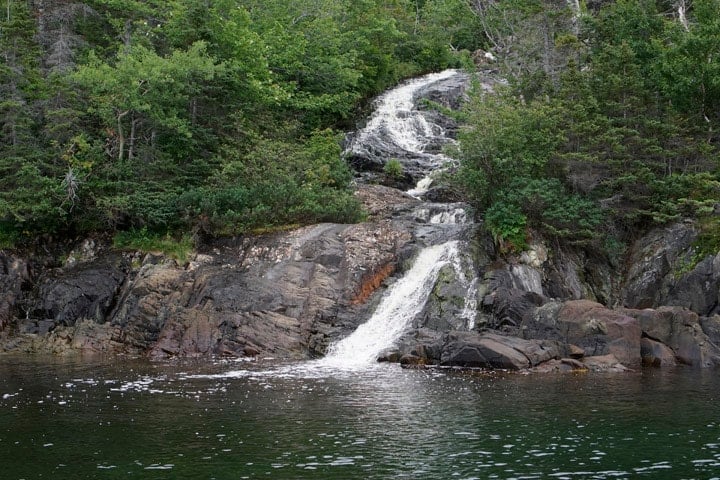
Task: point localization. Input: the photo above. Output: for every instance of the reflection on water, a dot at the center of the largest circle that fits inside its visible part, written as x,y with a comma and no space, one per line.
243,420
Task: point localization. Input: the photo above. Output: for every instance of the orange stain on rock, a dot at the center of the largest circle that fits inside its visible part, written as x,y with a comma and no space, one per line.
372,282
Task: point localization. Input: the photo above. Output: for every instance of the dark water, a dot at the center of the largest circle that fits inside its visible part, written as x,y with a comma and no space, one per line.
238,420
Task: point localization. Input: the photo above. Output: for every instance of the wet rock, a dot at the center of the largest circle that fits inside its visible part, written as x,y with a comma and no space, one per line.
574,364
679,329
391,356
656,354
604,363
85,336
425,343
409,359
447,307
449,92
469,349
589,325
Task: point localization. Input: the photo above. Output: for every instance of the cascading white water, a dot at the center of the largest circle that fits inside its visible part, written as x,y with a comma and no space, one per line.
397,127
402,302
398,119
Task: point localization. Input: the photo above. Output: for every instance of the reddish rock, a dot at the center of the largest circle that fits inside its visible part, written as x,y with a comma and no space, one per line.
656,354
589,326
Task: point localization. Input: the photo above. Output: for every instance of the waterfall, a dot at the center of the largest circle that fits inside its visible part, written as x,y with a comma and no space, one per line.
398,119
397,129
402,302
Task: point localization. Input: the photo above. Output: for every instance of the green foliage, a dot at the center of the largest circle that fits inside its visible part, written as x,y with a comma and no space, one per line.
184,115
544,205
394,168
628,122
508,225
145,241
505,139
275,184
8,239
708,241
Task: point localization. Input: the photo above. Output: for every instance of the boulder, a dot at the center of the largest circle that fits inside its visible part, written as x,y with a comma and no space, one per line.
679,329
588,325
489,350
656,354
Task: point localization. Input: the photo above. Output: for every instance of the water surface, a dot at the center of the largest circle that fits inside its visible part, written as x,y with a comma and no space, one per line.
234,420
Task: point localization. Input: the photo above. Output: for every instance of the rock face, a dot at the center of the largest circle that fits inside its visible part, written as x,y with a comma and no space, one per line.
282,294
659,274
289,294
680,331
590,326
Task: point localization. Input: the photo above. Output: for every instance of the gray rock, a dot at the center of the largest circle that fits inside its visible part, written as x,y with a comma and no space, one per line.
84,292
469,349
657,275
596,329
711,328
698,289
679,329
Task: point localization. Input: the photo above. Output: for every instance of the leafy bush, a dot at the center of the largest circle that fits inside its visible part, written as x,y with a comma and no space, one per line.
545,205
508,225
394,168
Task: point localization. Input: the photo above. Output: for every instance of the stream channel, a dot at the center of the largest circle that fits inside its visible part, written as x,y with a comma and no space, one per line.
346,416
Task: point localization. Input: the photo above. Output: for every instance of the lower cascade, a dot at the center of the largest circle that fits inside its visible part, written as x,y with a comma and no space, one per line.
402,302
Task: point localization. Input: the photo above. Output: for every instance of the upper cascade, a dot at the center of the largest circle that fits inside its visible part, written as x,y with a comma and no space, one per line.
400,129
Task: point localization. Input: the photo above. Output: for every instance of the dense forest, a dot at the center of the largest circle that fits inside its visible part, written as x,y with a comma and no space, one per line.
155,118
608,126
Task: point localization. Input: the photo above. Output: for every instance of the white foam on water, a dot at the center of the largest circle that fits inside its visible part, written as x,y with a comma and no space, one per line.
402,302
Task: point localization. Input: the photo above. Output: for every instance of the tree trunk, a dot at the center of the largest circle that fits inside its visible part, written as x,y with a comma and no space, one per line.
133,129
121,135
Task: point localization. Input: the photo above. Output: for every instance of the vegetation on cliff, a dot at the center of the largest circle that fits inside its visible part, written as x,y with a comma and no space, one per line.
609,123
178,115
222,117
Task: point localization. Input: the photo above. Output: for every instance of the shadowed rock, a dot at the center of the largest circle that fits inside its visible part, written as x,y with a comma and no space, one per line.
589,325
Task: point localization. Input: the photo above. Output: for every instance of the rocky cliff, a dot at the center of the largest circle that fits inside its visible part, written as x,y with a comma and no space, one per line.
289,294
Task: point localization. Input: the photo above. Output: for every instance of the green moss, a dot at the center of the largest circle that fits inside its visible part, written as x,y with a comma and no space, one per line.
177,248
707,243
